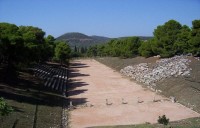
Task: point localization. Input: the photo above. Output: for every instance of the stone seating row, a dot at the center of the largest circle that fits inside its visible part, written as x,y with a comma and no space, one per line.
54,77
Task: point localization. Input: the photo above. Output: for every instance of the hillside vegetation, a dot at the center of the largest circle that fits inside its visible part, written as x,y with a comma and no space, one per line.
169,39
81,40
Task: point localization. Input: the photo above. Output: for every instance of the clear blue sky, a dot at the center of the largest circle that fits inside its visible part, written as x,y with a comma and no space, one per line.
111,18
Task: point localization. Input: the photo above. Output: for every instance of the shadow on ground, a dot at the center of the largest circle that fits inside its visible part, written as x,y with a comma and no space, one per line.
28,89
34,105
74,84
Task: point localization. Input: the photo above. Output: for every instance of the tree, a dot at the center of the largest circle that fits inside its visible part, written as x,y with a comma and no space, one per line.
145,49
181,45
11,50
165,36
100,50
75,49
92,51
48,48
82,50
34,42
194,42
62,51
11,43
130,47
127,47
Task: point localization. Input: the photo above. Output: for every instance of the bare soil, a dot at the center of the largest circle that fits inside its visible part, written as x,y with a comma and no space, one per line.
185,89
92,83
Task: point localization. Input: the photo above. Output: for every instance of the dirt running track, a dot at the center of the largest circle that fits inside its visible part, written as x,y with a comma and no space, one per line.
93,83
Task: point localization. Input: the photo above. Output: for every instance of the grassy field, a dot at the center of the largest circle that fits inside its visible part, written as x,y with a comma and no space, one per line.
185,89
34,105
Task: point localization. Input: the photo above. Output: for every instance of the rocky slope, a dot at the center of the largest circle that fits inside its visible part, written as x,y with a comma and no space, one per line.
164,68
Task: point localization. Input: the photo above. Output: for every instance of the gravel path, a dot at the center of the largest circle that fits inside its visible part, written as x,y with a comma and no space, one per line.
102,96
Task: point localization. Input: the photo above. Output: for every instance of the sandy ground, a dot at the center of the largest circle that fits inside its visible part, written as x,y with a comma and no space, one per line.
93,83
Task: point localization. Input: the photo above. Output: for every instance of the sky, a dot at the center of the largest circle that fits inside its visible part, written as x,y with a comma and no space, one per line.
110,18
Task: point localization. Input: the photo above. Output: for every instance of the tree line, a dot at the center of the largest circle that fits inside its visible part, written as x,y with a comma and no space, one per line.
117,47
27,44
169,39
78,51
23,45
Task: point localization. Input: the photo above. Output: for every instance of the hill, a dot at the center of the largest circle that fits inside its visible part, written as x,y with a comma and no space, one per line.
82,40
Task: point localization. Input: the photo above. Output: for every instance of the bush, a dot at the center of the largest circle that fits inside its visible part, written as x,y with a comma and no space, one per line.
4,108
163,120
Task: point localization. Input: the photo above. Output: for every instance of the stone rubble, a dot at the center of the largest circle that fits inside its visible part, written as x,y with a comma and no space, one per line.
164,68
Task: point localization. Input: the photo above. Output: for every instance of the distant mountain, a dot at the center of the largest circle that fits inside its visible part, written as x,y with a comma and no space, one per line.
82,40
73,35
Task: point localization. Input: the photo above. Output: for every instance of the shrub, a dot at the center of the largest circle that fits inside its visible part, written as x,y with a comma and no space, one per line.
163,120
4,108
